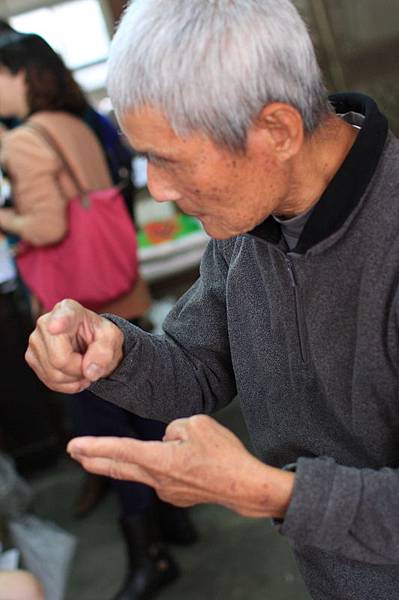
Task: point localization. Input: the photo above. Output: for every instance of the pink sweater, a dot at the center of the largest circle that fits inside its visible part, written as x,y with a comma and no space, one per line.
42,187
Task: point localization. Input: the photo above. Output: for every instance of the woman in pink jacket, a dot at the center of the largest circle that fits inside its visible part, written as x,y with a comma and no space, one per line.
36,87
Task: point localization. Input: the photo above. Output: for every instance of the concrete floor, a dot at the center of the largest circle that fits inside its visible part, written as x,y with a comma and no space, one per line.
235,559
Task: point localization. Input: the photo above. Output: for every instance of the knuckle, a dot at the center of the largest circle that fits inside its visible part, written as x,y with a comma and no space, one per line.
67,303
59,364
29,357
53,386
171,427
199,421
64,388
114,471
40,323
111,331
103,353
57,377
75,388
164,483
163,495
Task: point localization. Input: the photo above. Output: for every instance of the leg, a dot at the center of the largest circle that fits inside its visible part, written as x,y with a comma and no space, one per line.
94,416
174,522
150,565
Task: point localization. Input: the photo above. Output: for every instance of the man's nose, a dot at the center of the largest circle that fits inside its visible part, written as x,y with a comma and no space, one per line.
160,186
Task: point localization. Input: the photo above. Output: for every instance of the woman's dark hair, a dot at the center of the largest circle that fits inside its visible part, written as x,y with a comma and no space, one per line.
5,27
50,85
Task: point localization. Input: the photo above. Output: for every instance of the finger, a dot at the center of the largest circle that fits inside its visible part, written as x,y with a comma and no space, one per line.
56,376
54,379
66,388
184,501
63,366
125,450
52,352
99,360
105,352
63,318
116,470
71,388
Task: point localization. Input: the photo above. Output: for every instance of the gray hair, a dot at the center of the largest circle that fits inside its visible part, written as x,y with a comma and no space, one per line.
210,66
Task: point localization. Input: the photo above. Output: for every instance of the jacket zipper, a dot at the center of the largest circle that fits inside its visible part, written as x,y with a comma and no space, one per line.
300,320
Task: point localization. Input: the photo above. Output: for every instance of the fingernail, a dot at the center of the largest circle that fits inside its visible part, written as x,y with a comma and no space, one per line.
94,371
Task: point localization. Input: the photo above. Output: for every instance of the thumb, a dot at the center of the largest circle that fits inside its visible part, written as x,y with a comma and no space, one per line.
104,353
96,361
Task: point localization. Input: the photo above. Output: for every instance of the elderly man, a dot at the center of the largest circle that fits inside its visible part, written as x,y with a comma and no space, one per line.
296,308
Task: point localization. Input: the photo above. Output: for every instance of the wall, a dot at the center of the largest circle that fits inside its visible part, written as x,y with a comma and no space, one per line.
358,47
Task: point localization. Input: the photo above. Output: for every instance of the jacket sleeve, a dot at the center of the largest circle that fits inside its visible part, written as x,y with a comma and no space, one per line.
351,512
40,208
187,370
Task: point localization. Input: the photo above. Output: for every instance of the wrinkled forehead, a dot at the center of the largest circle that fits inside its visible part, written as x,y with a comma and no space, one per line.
145,124
149,131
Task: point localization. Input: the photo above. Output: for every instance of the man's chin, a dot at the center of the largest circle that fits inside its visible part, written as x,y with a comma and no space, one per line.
219,232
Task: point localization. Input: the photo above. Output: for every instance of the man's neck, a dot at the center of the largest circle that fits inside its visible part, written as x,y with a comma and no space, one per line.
319,160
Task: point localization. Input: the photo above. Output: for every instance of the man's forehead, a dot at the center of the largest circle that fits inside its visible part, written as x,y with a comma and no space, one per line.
149,131
146,125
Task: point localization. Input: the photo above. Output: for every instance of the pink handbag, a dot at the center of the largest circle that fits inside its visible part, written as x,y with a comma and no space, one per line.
96,262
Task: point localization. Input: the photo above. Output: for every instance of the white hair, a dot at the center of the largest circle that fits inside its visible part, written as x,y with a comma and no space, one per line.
210,66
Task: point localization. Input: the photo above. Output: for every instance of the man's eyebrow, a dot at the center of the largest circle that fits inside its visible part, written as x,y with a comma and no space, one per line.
149,155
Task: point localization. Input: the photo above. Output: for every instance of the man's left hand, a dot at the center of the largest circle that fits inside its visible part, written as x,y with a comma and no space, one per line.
198,461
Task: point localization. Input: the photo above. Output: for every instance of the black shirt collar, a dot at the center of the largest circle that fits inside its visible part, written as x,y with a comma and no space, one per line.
348,185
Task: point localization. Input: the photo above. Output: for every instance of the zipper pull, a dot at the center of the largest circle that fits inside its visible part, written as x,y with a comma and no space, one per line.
291,272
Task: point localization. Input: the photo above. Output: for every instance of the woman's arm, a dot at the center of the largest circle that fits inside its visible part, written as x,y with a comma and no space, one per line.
39,215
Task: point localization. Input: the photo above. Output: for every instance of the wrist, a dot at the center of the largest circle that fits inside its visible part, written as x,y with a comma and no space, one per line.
118,351
275,489
284,486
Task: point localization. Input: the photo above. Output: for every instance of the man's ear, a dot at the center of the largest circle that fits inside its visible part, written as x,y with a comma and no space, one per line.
280,126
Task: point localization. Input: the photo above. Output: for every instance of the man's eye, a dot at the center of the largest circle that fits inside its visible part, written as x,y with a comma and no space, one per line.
148,157
156,161
141,156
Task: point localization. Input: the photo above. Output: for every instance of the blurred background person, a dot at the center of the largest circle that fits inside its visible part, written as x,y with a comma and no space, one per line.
37,88
31,427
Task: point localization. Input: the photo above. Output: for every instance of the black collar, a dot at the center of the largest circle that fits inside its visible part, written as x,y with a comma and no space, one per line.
349,183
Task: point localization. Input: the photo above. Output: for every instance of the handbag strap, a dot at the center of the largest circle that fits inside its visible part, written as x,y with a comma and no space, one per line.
52,142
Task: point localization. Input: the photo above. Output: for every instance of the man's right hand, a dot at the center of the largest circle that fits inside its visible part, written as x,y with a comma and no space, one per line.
72,347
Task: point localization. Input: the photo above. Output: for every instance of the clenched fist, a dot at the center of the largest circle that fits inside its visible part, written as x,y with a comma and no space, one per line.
72,347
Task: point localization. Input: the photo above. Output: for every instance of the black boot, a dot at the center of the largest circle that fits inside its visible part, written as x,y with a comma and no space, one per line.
175,524
92,491
150,565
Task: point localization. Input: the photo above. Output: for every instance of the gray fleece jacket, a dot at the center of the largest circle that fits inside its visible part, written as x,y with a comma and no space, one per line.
308,341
